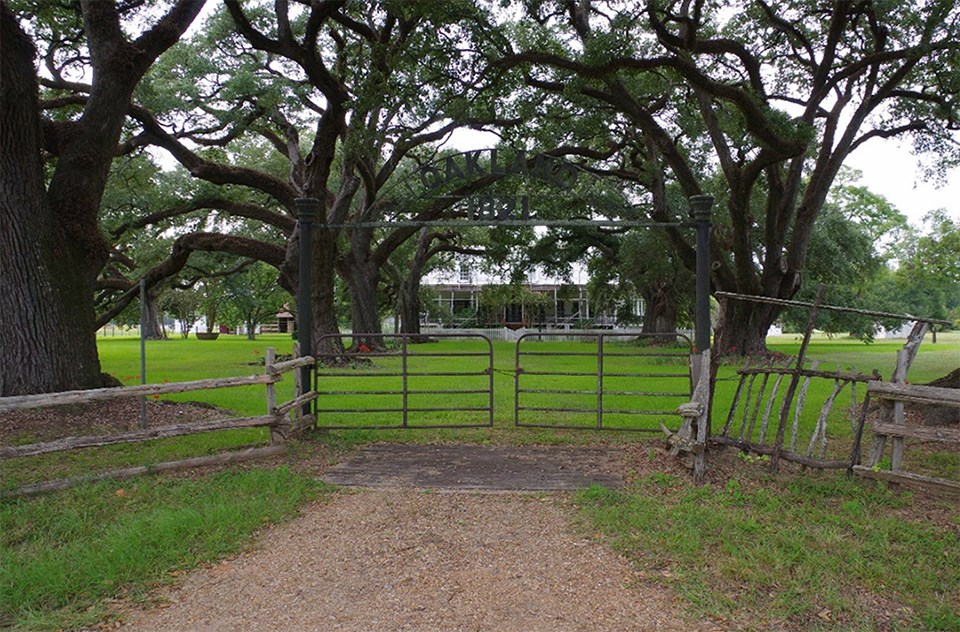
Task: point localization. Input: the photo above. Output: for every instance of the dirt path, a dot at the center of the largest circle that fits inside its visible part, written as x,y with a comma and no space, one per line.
419,560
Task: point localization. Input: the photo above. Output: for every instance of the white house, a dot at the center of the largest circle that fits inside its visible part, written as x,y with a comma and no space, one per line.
567,303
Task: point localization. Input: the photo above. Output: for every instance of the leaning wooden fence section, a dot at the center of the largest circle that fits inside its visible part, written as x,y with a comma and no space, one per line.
283,420
765,420
770,401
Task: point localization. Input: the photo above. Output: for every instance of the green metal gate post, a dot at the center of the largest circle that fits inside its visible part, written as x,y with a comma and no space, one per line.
701,206
306,213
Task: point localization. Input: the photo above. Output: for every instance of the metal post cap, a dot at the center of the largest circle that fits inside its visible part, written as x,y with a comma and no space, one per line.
307,208
700,206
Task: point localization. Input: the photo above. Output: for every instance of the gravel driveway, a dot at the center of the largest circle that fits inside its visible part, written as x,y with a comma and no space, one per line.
421,560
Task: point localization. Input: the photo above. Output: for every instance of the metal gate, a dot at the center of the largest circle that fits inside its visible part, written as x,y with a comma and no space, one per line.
553,388
406,385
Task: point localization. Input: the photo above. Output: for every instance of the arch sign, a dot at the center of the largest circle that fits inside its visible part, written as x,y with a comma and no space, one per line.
489,203
467,166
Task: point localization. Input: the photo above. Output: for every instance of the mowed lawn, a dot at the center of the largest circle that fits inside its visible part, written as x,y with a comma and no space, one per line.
797,550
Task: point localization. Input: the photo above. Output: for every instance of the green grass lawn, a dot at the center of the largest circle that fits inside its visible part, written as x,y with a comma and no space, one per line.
932,361
758,550
62,554
179,360
814,552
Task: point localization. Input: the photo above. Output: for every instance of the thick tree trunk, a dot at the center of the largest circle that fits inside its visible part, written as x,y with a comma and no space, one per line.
408,305
363,280
408,294
151,319
51,242
742,327
325,336
46,297
362,276
660,318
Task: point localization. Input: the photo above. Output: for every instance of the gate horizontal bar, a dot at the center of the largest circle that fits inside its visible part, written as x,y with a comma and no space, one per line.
358,410
582,374
683,375
592,426
558,353
400,410
639,356
397,354
414,409
570,373
557,391
401,374
441,392
438,392
468,354
613,411
605,353
402,427
408,360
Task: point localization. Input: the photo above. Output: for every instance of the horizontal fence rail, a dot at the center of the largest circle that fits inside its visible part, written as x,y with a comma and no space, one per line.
368,387
20,402
540,372
225,458
137,436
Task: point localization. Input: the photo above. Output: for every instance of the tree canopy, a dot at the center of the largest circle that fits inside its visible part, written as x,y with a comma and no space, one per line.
757,104
759,107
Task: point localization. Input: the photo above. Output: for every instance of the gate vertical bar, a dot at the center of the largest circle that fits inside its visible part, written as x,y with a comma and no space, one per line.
516,384
406,384
306,213
490,382
143,351
599,381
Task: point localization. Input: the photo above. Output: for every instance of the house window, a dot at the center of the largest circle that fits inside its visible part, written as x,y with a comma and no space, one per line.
465,275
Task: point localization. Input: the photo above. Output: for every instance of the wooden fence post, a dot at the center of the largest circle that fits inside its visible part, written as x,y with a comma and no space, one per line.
701,395
894,412
275,436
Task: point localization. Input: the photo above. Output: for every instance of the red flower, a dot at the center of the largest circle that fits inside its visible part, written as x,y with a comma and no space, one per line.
364,348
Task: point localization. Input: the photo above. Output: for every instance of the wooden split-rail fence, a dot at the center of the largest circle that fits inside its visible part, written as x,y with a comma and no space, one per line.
766,416
283,420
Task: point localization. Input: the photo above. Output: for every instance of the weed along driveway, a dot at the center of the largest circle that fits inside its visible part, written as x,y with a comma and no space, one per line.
422,560
386,557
